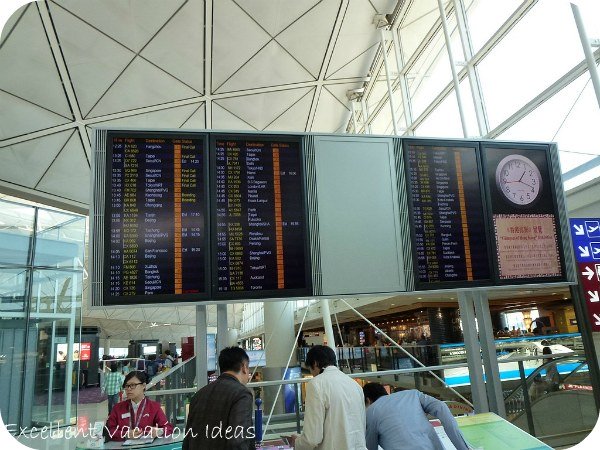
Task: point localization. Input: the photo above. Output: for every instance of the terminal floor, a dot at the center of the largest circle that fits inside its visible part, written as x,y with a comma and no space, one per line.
86,414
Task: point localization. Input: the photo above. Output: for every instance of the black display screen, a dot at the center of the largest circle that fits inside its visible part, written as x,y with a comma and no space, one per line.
258,217
157,233
524,212
447,214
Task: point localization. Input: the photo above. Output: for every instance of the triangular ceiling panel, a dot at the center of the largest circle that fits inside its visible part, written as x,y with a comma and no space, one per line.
18,117
307,42
185,32
142,84
275,15
132,22
61,178
197,120
330,114
294,118
175,117
32,73
357,67
224,120
358,33
261,109
94,60
26,162
272,66
236,37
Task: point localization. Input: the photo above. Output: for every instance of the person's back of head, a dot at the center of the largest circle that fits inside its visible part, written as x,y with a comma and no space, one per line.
321,356
546,351
113,367
232,359
373,391
168,352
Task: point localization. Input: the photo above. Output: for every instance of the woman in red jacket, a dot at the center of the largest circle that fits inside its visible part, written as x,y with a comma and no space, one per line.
137,416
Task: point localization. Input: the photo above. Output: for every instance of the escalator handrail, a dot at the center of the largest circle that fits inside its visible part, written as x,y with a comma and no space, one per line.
538,370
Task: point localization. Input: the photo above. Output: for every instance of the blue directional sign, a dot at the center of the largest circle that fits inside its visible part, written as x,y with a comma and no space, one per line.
586,239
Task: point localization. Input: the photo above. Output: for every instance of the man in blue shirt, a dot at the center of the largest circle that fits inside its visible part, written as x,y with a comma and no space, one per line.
399,422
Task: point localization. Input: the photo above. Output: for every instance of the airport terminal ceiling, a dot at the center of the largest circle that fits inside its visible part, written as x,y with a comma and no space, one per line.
69,66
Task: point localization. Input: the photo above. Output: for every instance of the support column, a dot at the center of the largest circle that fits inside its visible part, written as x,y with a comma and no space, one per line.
327,323
281,341
488,349
467,314
222,332
588,51
107,346
200,347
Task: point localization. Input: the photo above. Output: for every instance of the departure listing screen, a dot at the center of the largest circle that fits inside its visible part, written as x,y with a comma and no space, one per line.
156,198
259,215
447,215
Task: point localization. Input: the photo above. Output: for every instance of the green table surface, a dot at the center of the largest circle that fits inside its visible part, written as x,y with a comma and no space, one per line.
490,432
158,444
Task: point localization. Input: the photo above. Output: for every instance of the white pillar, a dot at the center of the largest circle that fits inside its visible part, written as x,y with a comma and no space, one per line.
327,323
281,341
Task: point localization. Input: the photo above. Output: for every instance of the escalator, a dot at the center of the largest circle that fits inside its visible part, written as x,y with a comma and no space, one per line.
562,408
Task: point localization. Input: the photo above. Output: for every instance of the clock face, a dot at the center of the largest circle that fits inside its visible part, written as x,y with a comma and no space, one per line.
519,180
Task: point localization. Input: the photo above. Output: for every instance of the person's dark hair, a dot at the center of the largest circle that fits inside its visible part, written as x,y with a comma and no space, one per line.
113,367
546,351
373,391
137,374
167,352
231,359
322,356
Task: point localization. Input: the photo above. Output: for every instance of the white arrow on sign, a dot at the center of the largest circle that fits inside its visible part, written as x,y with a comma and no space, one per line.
588,272
597,319
584,252
594,296
579,230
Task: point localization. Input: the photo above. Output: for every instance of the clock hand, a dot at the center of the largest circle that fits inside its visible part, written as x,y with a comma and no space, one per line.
525,184
522,175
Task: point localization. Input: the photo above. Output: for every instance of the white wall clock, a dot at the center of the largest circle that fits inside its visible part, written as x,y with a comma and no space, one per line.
519,179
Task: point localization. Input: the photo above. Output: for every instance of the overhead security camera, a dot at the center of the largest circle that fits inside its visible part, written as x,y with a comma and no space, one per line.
354,94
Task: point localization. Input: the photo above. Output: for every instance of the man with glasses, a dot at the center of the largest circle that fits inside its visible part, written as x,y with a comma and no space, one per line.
220,415
334,416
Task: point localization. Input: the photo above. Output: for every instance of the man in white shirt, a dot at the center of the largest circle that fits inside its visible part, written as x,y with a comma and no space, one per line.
334,416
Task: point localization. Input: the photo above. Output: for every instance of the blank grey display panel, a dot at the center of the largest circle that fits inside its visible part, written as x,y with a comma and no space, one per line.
357,201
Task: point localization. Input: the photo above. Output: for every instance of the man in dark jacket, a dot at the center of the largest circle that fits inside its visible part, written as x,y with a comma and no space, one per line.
220,415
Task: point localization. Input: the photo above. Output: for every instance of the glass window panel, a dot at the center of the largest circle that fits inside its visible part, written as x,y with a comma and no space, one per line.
60,239
13,283
430,74
468,108
419,19
52,383
541,48
567,119
12,362
444,121
16,229
56,291
485,17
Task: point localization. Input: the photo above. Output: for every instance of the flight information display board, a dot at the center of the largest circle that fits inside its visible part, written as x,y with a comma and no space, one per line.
447,214
156,214
258,217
